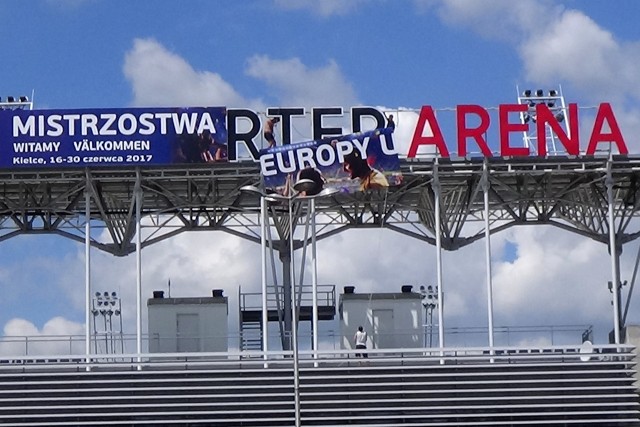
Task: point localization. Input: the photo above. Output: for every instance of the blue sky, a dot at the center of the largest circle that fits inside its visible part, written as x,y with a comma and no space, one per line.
263,53
397,53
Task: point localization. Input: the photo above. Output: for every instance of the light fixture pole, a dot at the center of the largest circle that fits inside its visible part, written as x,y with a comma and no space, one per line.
294,316
296,193
293,339
314,281
263,278
107,305
429,302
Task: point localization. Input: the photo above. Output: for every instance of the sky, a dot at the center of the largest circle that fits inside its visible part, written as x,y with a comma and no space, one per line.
392,54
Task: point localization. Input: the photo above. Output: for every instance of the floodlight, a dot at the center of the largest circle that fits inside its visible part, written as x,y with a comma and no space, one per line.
24,99
325,192
551,103
98,294
304,184
553,92
275,198
251,189
527,93
11,99
527,117
539,92
560,116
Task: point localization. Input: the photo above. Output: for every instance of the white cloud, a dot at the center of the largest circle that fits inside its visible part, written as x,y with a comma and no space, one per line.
557,278
500,19
160,78
21,337
290,80
574,48
556,45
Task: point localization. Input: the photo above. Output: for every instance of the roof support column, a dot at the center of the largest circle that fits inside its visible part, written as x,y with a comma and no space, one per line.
263,276
487,239
138,195
436,191
87,269
615,280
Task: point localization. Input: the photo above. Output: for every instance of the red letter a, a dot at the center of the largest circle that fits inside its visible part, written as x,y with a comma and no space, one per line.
419,138
597,136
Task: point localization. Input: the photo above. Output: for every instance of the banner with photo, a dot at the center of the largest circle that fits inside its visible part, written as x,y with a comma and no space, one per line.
112,137
354,162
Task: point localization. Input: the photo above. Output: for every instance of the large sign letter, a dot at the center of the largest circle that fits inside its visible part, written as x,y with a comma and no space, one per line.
506,128
476,133
427,132
598,135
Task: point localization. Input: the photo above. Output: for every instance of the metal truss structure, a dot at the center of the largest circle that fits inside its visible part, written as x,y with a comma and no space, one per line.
569,193
448,203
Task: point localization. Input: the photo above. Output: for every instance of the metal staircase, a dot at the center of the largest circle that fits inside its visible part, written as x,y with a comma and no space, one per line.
250,312
250,335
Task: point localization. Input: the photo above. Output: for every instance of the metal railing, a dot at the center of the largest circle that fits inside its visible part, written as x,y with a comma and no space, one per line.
65,345
253,300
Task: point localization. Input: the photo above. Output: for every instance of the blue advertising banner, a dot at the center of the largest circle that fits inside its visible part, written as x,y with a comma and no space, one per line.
112,137
354,162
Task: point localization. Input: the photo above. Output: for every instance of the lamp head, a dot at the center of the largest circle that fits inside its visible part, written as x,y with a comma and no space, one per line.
252,189
304,184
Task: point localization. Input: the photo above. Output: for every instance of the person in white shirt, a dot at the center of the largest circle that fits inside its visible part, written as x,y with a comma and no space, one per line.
361,341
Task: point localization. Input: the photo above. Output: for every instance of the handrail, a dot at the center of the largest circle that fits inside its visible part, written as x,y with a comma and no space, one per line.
67,345
461,355
253,300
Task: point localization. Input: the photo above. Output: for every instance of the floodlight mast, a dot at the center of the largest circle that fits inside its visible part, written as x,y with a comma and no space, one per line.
304,191
293,195
291,310
554,100
105,306
21,102
429,297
